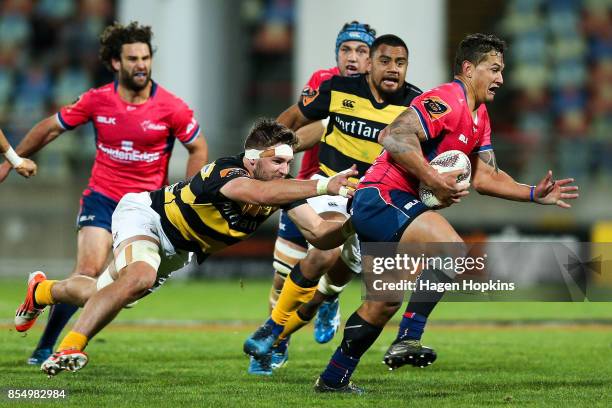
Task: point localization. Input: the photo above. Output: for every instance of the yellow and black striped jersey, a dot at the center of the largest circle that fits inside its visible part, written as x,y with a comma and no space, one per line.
355,120
196,217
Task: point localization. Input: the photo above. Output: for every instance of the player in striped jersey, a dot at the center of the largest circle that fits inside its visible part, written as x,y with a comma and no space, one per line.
352,55
358,109
154,233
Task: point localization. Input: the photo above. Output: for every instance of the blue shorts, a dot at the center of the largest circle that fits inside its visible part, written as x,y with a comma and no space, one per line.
289,231
96,210
375,220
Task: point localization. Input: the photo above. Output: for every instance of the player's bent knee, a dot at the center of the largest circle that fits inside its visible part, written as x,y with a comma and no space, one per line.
139,278
137,251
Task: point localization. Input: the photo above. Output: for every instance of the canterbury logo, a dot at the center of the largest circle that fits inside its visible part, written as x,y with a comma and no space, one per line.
349,104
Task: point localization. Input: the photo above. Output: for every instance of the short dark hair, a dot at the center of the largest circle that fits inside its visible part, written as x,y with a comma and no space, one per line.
266,133
388,39
475,47
114,36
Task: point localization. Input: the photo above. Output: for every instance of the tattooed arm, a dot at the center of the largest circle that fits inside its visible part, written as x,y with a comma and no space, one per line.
488,179
402,140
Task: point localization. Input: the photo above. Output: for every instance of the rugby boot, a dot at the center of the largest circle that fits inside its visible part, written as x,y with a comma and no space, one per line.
349,388
28,311
65,360
411,352
327,321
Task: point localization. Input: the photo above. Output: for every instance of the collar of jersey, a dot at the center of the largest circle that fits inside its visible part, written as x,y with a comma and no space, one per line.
462,87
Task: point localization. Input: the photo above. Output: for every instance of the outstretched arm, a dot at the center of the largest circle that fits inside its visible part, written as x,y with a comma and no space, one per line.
488,179
321,233
286,191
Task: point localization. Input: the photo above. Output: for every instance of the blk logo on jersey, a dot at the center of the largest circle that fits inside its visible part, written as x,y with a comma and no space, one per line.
107,120
463,138
436,107
411,204
309,95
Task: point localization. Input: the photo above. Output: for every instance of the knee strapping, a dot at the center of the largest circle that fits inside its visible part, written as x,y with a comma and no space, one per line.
286,257
138,251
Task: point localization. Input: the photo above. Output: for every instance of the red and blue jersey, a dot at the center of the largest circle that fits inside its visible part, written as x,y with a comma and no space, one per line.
310,159
133,141
448,125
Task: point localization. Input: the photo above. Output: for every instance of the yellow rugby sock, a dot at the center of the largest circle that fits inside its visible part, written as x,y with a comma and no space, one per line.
290,299
42,294
294,324
74,341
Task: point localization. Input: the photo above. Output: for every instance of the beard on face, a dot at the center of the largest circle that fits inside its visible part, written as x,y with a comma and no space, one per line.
387,94
127,80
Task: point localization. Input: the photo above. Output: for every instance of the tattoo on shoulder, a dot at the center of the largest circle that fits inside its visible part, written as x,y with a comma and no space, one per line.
488,156
404,133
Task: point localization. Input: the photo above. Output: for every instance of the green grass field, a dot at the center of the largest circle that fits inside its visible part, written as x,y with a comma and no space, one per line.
182,346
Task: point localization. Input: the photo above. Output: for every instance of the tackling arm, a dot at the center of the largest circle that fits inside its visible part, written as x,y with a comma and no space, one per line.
286,191
321,233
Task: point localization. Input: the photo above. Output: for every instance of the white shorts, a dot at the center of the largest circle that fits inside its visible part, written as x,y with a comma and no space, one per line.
134,216
350,253
328,203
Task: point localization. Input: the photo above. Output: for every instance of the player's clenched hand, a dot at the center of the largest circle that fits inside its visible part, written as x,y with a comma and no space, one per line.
27,168
553,192
447,190
5,169
340,184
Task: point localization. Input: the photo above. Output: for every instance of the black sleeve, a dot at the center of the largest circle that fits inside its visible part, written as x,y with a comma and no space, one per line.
314,103
221,173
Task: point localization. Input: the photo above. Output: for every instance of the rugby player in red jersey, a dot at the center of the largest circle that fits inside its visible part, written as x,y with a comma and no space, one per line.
352,53
136,123
386,205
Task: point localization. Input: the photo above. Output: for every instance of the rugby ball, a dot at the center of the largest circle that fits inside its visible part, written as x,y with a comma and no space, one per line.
450,160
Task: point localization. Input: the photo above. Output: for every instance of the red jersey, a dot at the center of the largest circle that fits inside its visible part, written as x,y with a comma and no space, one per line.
133,142
310,159
448,124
